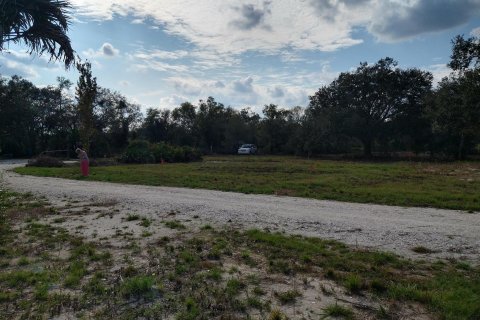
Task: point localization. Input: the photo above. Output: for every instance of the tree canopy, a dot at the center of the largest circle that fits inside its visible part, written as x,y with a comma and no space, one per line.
376,109
372,97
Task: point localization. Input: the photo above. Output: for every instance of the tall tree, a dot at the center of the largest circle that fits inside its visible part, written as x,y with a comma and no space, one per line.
18,128
273,129
211,124
241,127
455,112
115,117
86,93
157,125
41,25
372,97
465,53
454,109
185,125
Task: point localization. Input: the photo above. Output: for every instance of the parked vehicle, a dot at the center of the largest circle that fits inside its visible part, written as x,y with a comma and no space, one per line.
247,149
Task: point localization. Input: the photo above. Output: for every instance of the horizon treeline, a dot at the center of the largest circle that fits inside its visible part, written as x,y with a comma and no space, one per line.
377,108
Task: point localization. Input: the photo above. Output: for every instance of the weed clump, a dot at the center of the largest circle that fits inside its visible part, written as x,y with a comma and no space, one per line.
422,250
287,297
353,283
138,286
132,217
336,310
45,161
145,222
174,224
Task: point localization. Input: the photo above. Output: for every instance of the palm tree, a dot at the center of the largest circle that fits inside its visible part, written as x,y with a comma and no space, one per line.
41,24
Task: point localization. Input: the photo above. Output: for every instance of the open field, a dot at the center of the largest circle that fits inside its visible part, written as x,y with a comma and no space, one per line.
440,185
169,267
443,234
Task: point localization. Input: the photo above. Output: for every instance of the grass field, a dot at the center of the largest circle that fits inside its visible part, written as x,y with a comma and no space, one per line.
48,271
440,185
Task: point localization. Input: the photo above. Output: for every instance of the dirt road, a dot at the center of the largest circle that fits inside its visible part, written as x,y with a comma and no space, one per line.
448,233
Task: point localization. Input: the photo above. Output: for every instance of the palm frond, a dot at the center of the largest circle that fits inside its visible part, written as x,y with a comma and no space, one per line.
41,24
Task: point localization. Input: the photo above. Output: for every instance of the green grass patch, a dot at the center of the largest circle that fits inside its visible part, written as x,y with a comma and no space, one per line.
191,310
450,290
138,286
24,278
146,222
132,217
422,250
287,297
234,286
353,283
76,271
209,274
215,274
23,261
174,224
337,311
445,185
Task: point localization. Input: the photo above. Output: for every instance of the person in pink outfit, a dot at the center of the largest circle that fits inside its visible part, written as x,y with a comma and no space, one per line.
82,155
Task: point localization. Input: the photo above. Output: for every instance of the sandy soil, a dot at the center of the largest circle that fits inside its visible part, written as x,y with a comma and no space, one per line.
448,233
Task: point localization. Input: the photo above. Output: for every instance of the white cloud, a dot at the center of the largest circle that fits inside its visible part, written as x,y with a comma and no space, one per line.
276,92
159,99
187,61
231,28
196,87
235,27
406,19
475,32
149,65
27,65
11,67
137,21
161,54
243,85
439,71
106,50
172,101
209,59
240,92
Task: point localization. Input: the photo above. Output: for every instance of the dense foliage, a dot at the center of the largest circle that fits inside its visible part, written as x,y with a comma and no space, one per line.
41,25
377,108
141,151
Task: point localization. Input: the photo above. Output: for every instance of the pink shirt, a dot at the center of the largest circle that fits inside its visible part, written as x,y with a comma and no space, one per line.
82,155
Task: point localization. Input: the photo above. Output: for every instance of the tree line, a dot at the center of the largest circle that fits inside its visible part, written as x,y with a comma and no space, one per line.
375,108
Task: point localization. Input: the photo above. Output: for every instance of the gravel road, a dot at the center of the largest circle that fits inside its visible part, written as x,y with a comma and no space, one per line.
449,233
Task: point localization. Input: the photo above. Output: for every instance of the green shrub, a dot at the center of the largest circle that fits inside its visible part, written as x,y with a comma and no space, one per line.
289,296
141,151
138,151
191,154
45,161
178,154
138,286
162,151
336,310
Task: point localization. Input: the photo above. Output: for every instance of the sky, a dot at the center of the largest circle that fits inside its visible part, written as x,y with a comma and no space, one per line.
247,53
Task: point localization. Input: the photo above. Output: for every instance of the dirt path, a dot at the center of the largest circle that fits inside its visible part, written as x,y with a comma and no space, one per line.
448,233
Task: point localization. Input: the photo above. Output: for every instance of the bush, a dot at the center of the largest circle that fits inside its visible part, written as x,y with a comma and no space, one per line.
45,161
141,151
163,151
192,154
138,151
